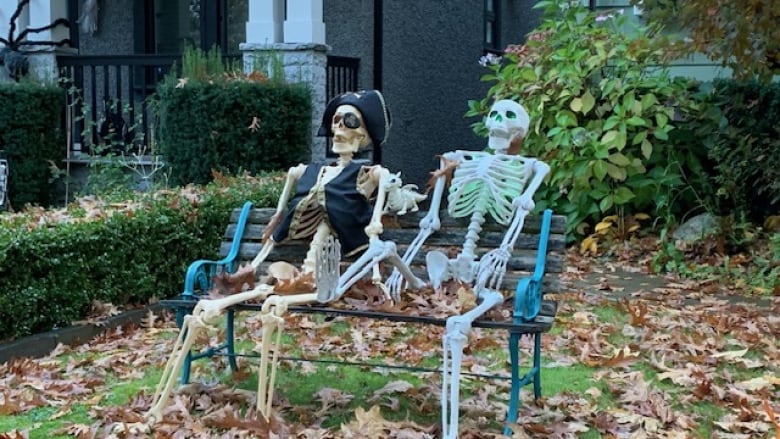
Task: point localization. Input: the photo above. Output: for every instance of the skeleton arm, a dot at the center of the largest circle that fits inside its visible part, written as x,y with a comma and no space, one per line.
525,200
492,266
293,175
430,222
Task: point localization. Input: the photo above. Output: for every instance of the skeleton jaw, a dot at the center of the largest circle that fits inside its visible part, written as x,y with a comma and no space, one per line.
346,143
499,140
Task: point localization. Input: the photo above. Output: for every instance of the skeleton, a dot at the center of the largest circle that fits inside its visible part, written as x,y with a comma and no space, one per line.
401,197
501,185
308,218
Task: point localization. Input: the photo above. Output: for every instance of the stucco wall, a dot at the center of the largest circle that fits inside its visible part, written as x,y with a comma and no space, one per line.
430,69
114,35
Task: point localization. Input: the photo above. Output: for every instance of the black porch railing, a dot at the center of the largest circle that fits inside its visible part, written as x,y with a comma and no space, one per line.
109,91
109,97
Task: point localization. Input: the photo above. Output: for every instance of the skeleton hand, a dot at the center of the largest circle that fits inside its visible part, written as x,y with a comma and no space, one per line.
430,222
492,268
272,223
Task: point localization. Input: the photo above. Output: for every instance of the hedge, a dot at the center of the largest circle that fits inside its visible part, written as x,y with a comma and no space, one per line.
53,266
32,140
232,126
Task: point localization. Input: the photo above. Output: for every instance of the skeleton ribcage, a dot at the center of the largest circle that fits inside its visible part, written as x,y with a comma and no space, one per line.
489,183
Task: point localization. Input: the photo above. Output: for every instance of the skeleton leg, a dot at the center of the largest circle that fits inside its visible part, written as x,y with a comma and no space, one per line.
455,339
395,281
273,311
204,316
377,251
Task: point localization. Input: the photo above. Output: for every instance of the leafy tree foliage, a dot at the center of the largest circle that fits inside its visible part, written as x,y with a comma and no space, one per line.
743,35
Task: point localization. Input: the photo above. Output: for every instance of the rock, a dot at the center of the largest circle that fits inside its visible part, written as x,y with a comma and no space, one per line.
695,229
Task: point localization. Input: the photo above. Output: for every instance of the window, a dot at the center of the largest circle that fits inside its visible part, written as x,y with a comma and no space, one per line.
492,25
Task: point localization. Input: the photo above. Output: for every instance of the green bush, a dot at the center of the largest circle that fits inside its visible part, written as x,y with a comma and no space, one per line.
31,138
215,118
745,148
52,266
601,110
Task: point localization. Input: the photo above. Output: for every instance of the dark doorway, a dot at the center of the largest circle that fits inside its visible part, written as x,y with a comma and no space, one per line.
165,27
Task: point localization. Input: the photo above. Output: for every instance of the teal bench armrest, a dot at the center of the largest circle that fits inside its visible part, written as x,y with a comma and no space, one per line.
528,295
200,273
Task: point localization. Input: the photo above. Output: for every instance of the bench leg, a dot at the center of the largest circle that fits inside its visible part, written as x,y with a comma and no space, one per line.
519,381
230,340
514,393
537,365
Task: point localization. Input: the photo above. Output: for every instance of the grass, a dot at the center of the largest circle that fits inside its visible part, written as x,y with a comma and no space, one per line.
299,386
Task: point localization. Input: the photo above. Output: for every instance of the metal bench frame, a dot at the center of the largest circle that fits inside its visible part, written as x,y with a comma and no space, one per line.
241,243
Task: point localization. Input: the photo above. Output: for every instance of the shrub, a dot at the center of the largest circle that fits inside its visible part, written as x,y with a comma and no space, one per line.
601,109
745,148
226,121
53,264
32,140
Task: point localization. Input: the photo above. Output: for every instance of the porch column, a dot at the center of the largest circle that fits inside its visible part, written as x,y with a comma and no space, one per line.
40,13
6,10
304,22
264,25
43,13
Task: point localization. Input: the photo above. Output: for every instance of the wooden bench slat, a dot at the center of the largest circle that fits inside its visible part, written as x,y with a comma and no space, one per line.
521,260
444,237
412,220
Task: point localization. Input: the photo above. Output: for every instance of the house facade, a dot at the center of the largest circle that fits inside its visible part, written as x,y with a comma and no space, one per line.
423,55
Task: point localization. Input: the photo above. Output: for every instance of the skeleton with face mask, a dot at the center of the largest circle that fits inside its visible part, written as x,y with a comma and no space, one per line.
329,204
497,183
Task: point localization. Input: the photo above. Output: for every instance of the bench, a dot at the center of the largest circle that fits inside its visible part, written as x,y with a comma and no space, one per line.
527,268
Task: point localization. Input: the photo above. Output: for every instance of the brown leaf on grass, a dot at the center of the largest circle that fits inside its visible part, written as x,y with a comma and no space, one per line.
330,397
621,358
367,424
392,387
15,434
638,312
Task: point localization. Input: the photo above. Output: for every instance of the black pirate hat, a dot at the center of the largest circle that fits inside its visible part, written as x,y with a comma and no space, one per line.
371,104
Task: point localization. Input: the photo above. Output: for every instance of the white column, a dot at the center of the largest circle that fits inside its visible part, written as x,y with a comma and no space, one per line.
304,22
264,25
43,13
6,10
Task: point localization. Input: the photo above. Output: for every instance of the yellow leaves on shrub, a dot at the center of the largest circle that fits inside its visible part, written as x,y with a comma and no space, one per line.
610,229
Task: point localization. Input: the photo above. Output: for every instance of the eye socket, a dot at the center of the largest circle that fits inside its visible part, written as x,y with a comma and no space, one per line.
493,114
511,115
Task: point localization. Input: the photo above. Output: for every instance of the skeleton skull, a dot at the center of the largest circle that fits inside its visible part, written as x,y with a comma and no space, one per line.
349,130
506,121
